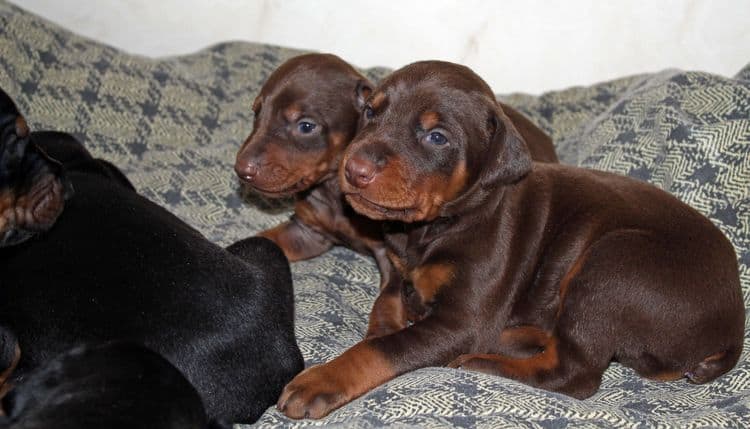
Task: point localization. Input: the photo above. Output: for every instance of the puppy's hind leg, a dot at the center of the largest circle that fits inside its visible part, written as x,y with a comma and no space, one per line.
560,367
522,341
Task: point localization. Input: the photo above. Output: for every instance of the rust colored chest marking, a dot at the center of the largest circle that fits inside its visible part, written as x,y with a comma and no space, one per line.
420,283
427,278
430,278
422,286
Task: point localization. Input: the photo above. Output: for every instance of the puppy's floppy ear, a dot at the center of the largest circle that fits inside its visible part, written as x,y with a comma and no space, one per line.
363,91
513,160
256,104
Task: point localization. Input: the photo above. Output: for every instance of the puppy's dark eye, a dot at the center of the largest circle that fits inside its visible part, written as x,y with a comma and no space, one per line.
369,113
437,138
306,127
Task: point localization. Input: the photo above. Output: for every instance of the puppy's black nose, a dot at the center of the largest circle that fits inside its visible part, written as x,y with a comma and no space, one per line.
359,172
246,170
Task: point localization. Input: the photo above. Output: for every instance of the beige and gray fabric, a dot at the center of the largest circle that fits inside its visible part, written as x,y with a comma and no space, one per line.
174,124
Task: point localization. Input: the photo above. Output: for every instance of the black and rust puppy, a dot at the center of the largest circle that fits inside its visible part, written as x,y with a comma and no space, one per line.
541,273
117,385
306,115
116,266
32,186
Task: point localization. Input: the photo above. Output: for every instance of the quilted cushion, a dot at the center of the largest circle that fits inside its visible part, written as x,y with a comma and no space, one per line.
174,125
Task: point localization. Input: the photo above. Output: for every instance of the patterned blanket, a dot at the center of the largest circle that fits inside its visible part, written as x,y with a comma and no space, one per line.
174,125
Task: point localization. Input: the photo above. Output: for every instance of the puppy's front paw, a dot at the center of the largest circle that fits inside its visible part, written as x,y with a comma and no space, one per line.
313,393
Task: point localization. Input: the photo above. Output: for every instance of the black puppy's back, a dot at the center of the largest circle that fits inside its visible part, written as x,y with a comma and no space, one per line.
116,385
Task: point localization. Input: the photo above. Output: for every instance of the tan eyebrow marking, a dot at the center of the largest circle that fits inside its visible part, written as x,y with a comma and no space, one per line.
429,120
292,112
377,100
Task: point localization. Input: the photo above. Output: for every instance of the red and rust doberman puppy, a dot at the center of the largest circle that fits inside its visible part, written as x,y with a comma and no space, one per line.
305,116
541,273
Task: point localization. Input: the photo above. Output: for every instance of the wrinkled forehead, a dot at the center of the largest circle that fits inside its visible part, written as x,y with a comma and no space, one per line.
318,76
432,100
309,92
437,75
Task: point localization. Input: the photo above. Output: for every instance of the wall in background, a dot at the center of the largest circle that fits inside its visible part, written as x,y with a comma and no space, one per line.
516,45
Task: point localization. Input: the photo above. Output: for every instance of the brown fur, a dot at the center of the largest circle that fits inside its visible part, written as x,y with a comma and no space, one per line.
333,381
555,270
275,161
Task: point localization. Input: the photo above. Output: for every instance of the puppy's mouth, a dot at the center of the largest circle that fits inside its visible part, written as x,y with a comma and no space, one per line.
282,192
377,211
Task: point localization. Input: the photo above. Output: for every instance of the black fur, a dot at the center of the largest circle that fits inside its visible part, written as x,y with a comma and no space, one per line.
117,266
117,385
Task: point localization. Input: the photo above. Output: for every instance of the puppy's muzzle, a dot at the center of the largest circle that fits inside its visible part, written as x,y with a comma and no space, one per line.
246,171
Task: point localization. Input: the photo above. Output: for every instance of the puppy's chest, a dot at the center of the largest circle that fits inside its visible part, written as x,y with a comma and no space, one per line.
423,277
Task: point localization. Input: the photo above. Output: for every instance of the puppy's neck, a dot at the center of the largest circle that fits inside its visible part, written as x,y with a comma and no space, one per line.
476,199
460,220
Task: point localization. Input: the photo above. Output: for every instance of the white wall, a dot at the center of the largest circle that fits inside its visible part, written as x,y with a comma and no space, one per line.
516,45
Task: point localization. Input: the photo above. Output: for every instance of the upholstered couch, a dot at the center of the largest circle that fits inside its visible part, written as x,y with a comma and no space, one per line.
174,125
